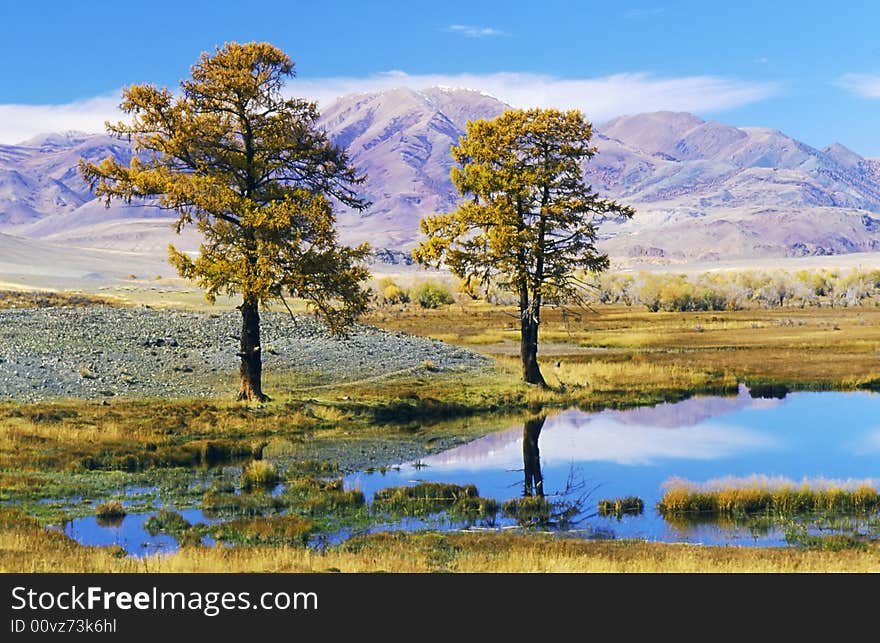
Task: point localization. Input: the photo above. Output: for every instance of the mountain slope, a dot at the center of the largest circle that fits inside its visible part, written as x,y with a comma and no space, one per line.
401,138
702,190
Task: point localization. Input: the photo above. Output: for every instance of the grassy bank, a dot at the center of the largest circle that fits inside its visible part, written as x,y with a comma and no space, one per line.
25,546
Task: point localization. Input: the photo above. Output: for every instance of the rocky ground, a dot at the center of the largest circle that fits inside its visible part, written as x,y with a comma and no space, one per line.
99,352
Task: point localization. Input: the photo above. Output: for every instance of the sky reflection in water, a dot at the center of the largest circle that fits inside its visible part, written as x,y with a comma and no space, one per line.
827,435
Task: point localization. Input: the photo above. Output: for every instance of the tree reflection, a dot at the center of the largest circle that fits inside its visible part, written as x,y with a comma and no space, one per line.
534,482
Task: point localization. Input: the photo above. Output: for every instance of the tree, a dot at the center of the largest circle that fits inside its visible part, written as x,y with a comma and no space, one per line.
528,220
250,169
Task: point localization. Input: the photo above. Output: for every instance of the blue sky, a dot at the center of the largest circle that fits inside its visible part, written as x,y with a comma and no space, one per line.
810,69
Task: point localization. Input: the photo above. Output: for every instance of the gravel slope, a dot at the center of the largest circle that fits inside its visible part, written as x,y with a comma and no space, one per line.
97,352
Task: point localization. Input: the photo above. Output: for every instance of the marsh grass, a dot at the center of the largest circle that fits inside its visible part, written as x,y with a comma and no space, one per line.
221,505
424,499
25,546
314,468
322,496
173,524
110,514
166,521
474,509
778,497
272,530
139,435
530,511
619,507
259,474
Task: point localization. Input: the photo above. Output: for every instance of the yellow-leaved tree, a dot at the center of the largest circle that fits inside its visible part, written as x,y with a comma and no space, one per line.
248,166
528,220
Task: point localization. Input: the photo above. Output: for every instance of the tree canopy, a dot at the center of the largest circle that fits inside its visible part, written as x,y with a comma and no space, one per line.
248,166
528,221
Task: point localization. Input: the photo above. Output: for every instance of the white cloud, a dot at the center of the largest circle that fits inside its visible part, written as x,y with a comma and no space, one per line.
865,85
474,32
598,98
20,122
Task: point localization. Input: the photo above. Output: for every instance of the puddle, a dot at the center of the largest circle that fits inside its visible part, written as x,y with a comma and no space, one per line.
129,533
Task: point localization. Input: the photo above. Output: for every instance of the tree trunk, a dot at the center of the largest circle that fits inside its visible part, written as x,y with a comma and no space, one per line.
529,353
528,344
251,369
534,482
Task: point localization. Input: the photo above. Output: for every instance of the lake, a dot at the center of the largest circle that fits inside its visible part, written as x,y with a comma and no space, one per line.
579,456
812,436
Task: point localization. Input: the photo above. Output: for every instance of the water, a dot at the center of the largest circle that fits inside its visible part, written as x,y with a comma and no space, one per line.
129,533
612,454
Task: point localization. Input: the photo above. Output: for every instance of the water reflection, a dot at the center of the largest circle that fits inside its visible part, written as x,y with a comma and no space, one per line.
609,436
534,482
633,452
130,532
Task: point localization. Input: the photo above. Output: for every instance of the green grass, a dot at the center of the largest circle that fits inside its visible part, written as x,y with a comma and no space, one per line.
424,499
173,524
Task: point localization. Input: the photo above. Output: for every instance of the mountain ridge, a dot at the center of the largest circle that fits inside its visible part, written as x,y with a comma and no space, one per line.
703,190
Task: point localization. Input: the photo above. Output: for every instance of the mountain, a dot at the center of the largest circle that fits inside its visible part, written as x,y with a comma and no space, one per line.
43,196
401,139
705,191
702,190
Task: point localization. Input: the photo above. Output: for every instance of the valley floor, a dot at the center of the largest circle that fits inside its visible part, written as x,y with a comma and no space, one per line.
609,357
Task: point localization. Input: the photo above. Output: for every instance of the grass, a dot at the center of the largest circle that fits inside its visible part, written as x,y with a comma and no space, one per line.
72,452
816,348
25,546
47,299
768,496
173,524
628,506
259,474
529,511
110,513
224,505
427,498
320,496
271,530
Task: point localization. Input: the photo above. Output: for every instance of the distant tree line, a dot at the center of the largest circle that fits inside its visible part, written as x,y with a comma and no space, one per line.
738,290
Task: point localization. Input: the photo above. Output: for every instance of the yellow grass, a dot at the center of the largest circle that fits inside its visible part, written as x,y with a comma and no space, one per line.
25,547
805,347
778,496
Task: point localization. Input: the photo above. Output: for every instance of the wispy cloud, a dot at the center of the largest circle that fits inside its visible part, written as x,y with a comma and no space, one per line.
20,122
865,85
474,32
599,98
